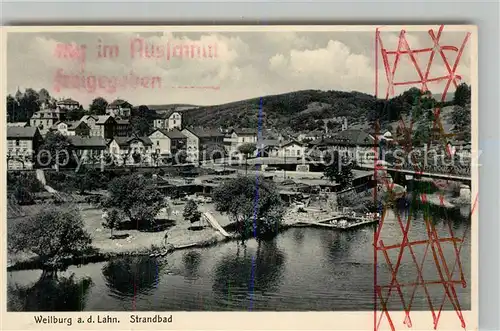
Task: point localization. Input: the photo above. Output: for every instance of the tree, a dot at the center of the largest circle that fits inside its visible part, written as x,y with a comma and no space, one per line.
112,220
214,151
23,105
50,293
57,150
44,96
339,169
98,106
137,157
137,198
461,119
462,95
253,203
75,114
86,179
347,176
180,157
422,133
191,212
247,149
141,126
155,157
142,120
53,234
12,107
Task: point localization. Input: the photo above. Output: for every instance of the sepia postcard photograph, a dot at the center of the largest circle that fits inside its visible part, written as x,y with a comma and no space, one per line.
326,174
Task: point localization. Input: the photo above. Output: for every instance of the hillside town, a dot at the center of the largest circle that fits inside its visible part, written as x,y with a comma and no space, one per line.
143,181
99,137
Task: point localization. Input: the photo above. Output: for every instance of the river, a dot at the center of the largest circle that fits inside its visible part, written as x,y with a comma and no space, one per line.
302,269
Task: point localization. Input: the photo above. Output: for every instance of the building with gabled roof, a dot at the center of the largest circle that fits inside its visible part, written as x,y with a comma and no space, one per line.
169,120
198,139
167,142
119,108
71,128
22,146
238,137
68,104
123,149
90,149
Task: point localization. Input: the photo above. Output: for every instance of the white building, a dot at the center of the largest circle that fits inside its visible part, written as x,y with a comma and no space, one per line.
167,142
168,121
44,120
238,137
123,149
119,108
72,128
198,139
291,148
68,104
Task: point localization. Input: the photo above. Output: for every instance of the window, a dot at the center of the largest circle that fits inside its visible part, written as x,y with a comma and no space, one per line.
157,151
157,143
298,152
17,142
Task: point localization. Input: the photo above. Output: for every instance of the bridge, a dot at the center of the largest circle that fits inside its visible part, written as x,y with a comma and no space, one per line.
418,174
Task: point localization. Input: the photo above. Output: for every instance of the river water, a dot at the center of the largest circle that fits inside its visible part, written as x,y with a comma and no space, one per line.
302,269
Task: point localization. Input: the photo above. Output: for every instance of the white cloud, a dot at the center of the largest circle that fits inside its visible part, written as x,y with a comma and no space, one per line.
247,64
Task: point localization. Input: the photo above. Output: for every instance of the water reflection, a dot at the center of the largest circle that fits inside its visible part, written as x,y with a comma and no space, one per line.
298,236
129,276
49,293
260,271
192,261
337,244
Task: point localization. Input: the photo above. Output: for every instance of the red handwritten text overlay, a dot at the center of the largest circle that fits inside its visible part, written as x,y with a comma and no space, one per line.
139,48
191,50
109,84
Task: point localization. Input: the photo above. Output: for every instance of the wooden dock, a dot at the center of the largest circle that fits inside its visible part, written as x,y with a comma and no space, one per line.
352,221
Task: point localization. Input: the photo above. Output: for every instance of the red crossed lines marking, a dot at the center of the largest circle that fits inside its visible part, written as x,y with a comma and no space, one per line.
433,241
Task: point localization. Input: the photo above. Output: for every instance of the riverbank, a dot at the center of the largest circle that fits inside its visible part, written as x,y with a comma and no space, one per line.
181,234
130,242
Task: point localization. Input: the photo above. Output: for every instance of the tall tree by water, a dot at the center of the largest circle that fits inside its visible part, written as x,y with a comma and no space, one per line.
191,212
339,169
50,293
253,203
137,198
53,235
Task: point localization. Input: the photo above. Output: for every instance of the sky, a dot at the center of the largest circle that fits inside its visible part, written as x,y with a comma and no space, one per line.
248,64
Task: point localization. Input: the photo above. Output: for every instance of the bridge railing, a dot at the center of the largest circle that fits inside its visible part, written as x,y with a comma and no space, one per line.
455,170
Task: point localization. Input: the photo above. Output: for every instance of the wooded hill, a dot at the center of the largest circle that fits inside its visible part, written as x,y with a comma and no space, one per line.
307,110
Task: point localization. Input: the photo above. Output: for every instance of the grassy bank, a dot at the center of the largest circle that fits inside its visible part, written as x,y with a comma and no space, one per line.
181,234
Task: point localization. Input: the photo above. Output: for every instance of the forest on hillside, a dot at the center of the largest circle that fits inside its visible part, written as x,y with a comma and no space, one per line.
308,110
